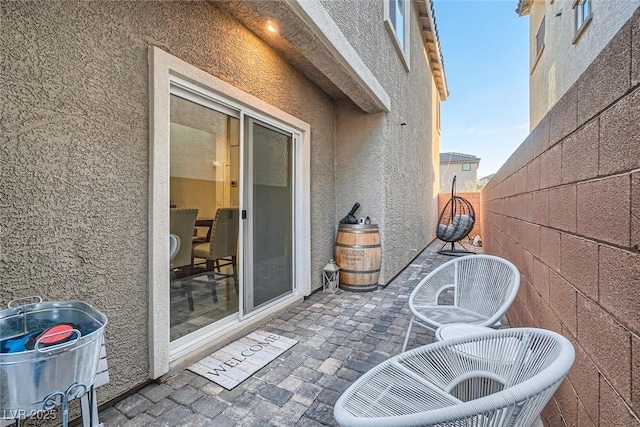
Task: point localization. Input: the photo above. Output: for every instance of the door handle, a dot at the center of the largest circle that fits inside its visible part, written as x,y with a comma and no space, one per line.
244,214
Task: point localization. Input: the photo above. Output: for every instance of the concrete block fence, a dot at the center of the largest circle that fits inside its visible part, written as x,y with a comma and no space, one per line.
565,208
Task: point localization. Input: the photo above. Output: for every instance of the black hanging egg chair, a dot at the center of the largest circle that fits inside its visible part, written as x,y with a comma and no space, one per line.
455,223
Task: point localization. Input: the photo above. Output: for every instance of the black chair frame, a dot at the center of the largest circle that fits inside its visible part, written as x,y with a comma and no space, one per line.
455,223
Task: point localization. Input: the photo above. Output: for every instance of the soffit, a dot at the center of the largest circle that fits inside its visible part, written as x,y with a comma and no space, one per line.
311,41
432,45
523,7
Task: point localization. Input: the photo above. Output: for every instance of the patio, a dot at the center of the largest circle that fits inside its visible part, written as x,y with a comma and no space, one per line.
340,337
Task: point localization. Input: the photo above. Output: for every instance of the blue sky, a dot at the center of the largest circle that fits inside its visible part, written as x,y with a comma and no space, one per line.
485,46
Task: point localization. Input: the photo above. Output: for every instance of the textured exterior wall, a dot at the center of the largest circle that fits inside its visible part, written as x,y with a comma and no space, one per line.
562,61
75,150
393,150
565,208
465,180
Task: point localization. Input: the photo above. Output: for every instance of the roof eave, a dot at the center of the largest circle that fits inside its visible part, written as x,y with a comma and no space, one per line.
523,7
432,45
456,162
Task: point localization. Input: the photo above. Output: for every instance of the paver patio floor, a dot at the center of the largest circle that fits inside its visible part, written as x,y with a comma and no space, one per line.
340,336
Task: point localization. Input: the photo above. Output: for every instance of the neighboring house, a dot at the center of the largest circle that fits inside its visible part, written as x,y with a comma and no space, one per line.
464,167
483,181
565,36
565,208
115,111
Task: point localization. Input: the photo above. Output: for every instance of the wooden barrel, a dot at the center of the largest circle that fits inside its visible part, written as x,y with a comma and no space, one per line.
358,254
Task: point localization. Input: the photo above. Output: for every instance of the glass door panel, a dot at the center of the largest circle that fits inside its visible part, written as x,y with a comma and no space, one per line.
204,172
269,262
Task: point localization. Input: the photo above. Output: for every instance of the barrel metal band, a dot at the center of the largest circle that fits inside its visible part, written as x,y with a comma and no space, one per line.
352,231
358,285
344,245
359,271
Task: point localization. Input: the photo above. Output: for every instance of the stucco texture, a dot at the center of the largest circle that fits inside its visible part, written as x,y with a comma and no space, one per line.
74,150
393,150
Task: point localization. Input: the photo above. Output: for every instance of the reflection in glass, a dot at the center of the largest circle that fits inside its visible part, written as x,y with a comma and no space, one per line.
272,218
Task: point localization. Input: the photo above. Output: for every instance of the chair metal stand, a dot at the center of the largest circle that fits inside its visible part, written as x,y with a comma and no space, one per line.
453,251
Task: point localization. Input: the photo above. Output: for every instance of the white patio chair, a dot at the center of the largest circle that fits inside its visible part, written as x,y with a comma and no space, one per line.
474,289
499,378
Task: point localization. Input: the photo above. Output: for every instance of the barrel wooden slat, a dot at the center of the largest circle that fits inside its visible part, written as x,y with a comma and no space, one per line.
358,253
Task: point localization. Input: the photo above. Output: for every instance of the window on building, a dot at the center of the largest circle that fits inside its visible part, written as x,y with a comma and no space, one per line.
466,167
540,38
583,16
397,19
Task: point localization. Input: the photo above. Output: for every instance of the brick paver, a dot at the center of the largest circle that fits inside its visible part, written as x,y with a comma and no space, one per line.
340,336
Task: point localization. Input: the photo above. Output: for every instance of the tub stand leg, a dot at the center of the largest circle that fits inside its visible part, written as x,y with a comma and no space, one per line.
89,404
62,398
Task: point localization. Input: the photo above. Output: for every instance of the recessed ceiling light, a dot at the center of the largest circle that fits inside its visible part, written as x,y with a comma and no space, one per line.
271,27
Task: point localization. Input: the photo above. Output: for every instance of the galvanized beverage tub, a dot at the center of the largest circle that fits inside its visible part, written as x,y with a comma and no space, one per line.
48,376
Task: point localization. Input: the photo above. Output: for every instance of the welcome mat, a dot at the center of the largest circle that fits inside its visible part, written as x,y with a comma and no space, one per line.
236,362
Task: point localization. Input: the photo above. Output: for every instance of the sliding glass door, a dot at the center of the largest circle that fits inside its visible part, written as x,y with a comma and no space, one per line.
268,225
207,148
204,212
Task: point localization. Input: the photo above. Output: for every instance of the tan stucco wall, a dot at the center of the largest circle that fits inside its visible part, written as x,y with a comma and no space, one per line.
565,209
434,214
562,61
378,149
75,150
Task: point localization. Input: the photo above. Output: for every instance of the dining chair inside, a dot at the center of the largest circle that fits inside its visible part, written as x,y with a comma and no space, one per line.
221,250
181,224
